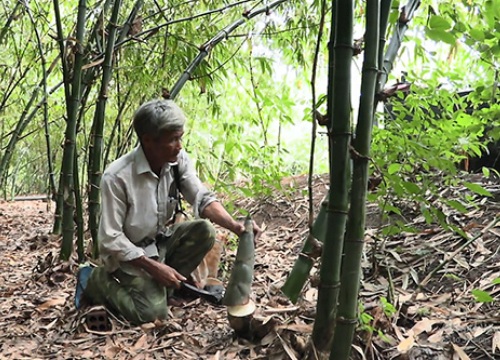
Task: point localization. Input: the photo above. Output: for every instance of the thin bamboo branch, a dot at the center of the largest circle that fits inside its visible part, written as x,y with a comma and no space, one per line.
118,120
10,19
256,100
313,115
21,125
52,184
311,248
209,45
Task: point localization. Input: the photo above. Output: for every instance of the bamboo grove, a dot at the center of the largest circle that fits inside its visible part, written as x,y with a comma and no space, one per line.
75,80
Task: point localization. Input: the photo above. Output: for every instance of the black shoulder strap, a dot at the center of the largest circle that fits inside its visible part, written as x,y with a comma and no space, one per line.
177,180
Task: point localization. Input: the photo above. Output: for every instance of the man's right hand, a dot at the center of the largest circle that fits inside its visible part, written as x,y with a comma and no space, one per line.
164,274
167,275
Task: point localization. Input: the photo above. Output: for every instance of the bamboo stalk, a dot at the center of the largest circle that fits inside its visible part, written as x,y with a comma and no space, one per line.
70,137
354,239
57,226
128,24
96,150
310,251
339,118
62,50
80,246
396,40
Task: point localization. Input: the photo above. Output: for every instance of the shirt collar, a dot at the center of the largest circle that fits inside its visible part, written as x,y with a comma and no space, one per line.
142,164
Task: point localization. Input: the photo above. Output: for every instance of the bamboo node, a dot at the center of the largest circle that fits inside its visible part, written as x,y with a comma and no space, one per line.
347,321
357,155
337,211
330,286
348,133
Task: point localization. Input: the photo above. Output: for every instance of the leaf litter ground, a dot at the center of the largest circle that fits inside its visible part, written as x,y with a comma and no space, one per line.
440,320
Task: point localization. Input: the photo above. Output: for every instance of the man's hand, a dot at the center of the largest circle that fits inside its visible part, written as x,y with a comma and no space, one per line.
167,276
257,231
164,274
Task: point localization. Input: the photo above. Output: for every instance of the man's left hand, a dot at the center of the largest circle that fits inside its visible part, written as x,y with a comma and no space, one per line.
257,231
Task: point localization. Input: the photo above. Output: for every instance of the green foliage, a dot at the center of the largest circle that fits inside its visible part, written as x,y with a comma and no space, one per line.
484,296
367,323
418,150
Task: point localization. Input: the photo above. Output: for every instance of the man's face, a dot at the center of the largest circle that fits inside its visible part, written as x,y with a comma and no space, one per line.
164,148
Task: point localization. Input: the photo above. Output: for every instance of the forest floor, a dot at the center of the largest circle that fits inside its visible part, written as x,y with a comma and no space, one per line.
441,320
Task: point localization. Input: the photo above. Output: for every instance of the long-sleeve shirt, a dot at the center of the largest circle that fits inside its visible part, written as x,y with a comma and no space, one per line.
136,203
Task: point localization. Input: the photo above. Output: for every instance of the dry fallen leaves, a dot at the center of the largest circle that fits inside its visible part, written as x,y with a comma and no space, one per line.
37,306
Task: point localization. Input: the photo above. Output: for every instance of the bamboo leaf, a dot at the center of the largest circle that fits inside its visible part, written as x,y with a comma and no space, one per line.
478,189
440,35
439,23
393,168
457,205
482,296
489,13
477,34
411,187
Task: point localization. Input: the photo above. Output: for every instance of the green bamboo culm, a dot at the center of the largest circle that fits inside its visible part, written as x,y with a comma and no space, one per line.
396,39
67,184
346,319
57,227
301,268
339,119
385,10
80,245
96,148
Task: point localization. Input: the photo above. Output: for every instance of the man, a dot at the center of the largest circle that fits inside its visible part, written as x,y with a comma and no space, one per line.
142,254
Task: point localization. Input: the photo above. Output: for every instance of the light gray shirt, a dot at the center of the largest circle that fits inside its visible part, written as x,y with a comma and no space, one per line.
136,203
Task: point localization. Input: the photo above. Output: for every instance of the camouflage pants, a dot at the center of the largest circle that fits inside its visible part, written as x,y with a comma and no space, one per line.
141,299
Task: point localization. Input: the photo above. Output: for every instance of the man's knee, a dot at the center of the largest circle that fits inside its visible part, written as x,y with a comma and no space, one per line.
205,232
148,314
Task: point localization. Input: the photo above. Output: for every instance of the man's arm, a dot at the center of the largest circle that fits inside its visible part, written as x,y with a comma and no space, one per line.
219,215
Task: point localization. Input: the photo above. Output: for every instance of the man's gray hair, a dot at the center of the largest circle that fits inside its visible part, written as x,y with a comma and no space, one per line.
157,116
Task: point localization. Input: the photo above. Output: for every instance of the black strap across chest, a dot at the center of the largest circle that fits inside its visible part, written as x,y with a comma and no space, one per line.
177,181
